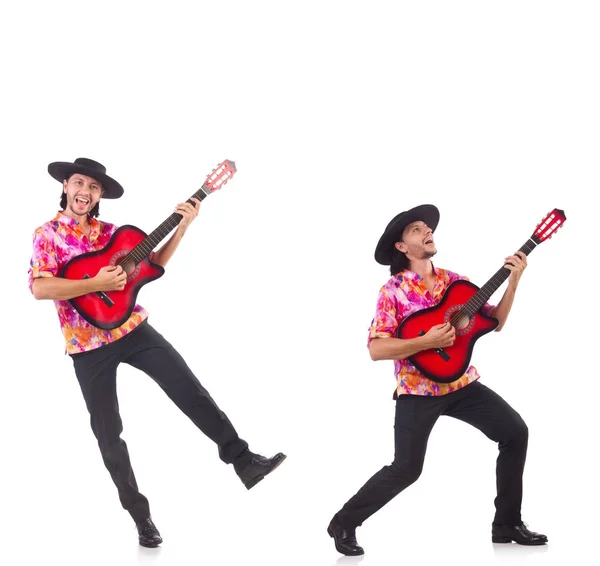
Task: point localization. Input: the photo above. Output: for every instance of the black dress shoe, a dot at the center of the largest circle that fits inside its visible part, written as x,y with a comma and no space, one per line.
518,533
345,539
257,468
148,533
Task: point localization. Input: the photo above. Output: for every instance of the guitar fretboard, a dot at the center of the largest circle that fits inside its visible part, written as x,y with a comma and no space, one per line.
144,248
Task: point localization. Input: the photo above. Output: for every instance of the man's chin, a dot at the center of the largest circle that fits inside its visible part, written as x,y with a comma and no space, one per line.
80,212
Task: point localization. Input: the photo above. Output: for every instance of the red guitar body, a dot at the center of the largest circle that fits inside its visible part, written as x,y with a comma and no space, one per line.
450,363
111,309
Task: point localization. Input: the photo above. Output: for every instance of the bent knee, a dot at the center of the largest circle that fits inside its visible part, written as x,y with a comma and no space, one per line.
517,432
404,473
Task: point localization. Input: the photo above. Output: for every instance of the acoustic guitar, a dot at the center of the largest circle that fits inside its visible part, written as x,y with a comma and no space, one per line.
461,306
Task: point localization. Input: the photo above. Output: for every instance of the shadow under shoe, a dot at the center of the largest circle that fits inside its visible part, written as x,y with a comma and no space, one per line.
255,469
344,539
148,534
517,533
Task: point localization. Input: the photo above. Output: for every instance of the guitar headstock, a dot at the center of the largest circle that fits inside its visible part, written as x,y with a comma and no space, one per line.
549,225
220,175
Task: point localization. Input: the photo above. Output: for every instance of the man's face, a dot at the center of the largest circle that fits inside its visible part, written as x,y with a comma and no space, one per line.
417,241
83,193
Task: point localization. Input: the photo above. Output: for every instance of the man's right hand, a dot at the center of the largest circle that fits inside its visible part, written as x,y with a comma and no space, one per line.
440,336
111,278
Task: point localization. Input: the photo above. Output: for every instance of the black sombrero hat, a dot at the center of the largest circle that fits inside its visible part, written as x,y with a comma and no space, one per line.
61,170
384,252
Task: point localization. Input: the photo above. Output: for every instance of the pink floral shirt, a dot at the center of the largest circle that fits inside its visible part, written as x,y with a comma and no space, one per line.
54,244
404,294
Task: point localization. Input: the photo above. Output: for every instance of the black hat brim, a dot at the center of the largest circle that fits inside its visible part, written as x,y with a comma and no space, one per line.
61,170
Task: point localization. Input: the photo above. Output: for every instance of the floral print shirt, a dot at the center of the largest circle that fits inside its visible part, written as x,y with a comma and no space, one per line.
54,244
404,294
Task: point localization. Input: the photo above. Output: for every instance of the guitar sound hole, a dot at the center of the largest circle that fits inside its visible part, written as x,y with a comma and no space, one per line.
461,322
127,265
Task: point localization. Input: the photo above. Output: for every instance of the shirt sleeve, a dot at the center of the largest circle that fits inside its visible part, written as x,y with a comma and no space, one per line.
487,309
43,259
384,325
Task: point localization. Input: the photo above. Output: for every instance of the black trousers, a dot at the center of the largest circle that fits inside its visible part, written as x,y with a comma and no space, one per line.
415,416
144,348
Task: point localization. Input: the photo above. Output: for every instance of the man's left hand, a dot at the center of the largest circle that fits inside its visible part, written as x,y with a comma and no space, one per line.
516,264
189,213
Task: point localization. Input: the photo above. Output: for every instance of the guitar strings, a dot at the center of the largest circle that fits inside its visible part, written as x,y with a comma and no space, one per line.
150,242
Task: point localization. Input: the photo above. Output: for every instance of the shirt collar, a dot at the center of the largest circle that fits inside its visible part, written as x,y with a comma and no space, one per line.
415,277
68,221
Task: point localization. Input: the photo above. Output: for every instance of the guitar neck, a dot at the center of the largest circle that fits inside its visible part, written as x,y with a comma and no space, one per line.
482,296
144,248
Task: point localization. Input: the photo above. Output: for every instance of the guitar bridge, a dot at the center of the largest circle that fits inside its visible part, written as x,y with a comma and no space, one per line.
440,351
105,298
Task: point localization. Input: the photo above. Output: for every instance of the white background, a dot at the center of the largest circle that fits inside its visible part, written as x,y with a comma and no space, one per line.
338,115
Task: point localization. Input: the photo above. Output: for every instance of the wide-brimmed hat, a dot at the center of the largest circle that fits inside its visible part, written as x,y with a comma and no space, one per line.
62,170
428,213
